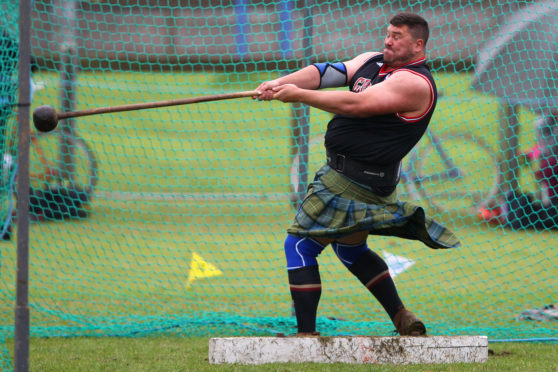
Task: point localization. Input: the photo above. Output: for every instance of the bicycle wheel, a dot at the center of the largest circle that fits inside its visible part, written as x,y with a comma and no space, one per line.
409,188
456,172
63,161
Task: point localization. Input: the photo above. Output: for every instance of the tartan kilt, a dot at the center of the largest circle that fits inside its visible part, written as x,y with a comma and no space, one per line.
335,207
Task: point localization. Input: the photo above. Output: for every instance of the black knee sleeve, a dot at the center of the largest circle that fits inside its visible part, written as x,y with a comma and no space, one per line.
306,289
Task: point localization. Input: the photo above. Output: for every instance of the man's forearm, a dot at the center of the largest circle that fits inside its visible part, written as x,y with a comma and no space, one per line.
337,102
306,78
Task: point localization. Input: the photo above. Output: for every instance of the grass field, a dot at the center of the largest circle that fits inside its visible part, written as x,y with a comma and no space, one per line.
213,179
191,353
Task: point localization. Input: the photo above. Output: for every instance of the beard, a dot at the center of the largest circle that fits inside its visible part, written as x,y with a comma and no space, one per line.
394,59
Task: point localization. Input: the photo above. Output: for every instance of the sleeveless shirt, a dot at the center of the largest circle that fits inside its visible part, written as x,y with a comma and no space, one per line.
380,139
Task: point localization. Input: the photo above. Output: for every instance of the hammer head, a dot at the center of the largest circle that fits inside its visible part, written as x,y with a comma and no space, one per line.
45,118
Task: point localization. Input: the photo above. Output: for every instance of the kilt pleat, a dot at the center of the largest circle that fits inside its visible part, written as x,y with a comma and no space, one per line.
335,207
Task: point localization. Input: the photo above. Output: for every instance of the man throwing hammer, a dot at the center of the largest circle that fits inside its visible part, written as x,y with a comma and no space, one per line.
385,112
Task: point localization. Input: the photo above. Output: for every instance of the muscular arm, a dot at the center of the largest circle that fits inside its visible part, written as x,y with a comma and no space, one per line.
403,92
308,77
354,64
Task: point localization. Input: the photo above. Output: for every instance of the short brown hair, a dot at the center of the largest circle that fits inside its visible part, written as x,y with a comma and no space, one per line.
418,27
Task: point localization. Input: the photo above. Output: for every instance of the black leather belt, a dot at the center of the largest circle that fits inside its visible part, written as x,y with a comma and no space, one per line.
365,173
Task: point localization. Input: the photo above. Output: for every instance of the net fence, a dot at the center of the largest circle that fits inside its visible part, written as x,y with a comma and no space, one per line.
172,220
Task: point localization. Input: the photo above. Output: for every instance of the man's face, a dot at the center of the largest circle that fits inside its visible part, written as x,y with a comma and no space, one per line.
399,46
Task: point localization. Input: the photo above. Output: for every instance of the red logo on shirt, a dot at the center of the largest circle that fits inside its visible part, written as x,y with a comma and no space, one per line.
361,84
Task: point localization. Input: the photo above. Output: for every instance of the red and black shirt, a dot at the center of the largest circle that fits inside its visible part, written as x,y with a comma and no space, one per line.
380,139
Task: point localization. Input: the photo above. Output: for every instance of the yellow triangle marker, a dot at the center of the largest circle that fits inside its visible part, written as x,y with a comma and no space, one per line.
199,268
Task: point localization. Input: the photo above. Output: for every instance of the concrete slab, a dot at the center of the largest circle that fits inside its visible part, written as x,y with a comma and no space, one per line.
354,349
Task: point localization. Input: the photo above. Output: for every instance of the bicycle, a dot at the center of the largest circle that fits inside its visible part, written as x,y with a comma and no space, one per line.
451,172
454,171
76,166
63,174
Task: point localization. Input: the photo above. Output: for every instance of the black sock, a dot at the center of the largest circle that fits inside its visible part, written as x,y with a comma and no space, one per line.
306,289
373,272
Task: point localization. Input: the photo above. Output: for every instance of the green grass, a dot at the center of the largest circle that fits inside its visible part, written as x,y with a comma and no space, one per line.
191,354
126,268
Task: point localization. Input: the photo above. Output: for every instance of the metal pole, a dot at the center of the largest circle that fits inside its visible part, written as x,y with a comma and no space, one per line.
302,112
285,15
301,118
21,327
509,146
68,51
242,27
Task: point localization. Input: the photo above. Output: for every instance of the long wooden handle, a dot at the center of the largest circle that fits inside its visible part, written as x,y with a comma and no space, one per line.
148,105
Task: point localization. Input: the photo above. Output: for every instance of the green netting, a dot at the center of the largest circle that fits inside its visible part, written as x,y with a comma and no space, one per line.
172,220
8,87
